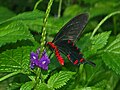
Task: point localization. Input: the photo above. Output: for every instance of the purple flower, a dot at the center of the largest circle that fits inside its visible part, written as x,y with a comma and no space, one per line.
33,60
39,62
44,61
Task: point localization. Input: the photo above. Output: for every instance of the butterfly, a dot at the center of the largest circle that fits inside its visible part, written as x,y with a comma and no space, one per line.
64,41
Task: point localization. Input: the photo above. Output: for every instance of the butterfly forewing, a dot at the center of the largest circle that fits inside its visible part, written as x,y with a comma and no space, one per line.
72,30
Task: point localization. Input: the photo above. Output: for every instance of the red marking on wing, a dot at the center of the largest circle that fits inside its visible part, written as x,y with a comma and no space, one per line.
69,41
76,62
52,45
77,48
59,57
81,60
68,56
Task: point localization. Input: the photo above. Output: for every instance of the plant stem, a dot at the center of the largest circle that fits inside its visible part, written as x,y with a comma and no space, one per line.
59,10
102,21
35,7
44,25
92,76
38,72
9,75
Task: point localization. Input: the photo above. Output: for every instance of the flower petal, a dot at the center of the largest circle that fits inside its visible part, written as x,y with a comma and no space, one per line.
33,60
44,61
33,56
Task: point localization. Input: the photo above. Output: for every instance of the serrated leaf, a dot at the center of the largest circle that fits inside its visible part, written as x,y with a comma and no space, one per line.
60,79
13,32
32,15
33,19
90,46
100,40
27,86
42,86
111,55
16,60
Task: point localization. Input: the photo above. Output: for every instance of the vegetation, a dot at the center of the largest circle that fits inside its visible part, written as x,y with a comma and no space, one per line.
28,25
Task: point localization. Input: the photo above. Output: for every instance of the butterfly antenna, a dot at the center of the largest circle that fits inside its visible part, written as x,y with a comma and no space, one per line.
91,63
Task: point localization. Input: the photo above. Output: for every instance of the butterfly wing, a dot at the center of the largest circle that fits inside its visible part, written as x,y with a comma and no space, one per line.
72,52
72,29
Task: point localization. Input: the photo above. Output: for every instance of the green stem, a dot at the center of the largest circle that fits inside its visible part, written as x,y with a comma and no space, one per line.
35,7
59,10
92,76
38,72
9,75
44,25
102,21
37,79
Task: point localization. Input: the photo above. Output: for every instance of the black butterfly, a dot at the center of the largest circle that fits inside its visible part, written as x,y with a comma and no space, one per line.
65,39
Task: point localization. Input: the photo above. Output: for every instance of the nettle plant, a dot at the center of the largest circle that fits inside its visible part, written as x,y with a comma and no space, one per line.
24,55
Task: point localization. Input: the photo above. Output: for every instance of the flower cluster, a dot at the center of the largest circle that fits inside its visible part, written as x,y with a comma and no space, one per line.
41,62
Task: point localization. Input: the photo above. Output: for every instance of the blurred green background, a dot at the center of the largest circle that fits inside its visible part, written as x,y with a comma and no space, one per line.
97,10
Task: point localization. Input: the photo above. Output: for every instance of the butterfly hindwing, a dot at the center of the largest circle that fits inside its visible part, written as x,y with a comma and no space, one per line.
68,48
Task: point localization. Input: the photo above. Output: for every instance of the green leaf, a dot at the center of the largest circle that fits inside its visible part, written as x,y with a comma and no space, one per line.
100,40
60,79
111,55
16,60
27,86
91,46
5,14
85,45
26,16
13,32
73,8
33,19
14,86
97,9
42,86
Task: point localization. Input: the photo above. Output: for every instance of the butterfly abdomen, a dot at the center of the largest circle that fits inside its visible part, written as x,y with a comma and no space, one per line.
57,53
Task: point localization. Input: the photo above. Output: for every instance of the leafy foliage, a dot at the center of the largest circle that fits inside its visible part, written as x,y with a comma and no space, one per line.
21,33
111,55
26,16
5,14
99,41
27,86
43,86
15,60
13,32
60,79
91,46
